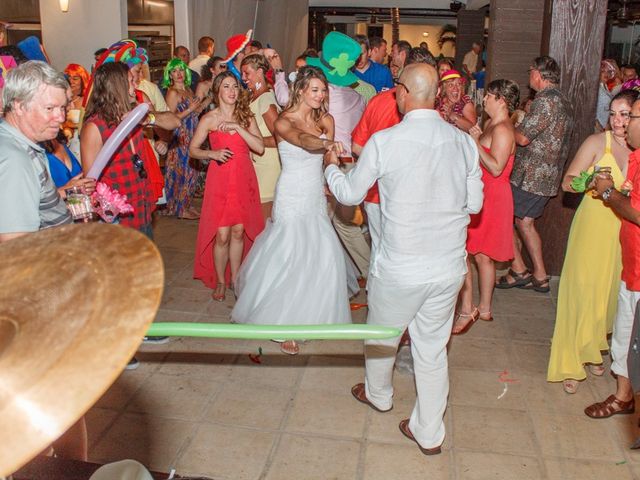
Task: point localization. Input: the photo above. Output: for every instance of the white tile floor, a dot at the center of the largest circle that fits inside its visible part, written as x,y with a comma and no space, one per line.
203,407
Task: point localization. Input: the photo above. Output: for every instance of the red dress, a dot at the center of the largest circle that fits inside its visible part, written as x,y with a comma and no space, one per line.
231,197
491,231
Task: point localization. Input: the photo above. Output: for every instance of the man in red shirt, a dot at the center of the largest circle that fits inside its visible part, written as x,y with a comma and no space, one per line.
381,112
628,207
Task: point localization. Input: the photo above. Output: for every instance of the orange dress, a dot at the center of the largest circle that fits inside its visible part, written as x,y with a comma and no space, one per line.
231,197
491,231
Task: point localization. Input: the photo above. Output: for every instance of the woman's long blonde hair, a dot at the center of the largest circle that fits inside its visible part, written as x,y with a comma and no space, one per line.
303,79
242,112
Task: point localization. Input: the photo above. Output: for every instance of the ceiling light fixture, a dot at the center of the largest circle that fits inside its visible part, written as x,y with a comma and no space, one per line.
64,5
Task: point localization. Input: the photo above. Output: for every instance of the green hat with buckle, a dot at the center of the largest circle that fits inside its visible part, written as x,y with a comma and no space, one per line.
339,54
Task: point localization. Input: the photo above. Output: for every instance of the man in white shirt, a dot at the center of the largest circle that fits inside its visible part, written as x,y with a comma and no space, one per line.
206,49
470,60
430,181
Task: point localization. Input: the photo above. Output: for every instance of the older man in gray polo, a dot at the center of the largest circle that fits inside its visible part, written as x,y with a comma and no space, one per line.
35,100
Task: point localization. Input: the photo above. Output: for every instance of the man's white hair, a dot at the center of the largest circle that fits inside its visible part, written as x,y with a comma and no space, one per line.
24,81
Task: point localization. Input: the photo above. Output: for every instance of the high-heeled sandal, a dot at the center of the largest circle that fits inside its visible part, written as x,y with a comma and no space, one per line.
570,386
219,297
473,316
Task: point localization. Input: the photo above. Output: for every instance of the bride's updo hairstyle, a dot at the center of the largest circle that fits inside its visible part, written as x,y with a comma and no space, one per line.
303,79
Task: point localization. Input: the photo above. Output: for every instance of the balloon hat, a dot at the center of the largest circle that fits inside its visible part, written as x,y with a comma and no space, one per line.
125,51
235,45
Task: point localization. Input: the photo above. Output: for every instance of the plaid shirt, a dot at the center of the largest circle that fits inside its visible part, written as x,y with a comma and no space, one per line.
122,175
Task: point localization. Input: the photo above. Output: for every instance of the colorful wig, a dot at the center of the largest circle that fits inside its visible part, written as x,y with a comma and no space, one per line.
171,66
125,51
73,69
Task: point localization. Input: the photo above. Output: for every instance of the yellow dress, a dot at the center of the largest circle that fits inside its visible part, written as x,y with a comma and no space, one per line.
267,165
588,291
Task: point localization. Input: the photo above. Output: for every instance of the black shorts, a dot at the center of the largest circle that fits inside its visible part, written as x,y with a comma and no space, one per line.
527,204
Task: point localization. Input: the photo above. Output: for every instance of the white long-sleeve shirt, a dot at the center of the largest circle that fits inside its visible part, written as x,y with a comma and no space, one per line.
429,178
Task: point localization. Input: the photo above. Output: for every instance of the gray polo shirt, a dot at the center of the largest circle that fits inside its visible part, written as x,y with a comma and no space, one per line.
29,200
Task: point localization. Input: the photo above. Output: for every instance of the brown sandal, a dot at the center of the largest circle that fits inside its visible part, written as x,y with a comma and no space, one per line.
519,279
359,394
404,428
611,406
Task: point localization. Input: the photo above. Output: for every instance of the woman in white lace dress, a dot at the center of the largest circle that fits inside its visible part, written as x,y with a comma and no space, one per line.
296,270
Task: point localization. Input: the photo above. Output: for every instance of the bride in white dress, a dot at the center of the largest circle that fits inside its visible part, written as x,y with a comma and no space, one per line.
296,272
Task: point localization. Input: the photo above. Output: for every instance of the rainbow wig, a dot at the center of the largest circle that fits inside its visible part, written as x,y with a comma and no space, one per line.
171,66
73,69
125,51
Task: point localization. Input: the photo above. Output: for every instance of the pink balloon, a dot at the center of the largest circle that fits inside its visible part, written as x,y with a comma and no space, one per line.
113,142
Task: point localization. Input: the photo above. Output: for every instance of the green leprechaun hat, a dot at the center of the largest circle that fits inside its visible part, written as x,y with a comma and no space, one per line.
339,54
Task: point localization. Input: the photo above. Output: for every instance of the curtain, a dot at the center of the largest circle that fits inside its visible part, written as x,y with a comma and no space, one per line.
280,23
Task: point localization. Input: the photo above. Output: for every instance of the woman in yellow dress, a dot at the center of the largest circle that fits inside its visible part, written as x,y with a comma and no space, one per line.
264,106
588,291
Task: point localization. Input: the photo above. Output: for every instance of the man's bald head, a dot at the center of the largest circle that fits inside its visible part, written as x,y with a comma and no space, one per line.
421,81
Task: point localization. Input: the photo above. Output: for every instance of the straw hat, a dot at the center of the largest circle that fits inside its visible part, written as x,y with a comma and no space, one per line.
75,303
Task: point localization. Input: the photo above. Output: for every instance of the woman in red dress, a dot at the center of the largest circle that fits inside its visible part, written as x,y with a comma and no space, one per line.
490,233
231,217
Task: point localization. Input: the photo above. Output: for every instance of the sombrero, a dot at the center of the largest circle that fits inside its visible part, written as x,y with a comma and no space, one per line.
75,303
236,44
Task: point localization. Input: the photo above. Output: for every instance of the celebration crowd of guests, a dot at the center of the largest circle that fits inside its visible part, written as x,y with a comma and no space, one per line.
354,171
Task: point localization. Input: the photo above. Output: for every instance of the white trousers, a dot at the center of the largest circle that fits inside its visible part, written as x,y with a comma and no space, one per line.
374,221
351,235
622,327
428,312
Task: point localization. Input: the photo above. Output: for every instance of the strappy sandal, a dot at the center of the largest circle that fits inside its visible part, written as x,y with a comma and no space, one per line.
536,285
473,316
219,297
570,386
519,279
611,406
485,316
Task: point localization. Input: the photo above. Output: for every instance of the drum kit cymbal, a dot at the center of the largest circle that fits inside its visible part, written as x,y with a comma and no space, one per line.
75,303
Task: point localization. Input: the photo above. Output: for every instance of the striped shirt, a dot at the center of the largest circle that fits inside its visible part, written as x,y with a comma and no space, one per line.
29,200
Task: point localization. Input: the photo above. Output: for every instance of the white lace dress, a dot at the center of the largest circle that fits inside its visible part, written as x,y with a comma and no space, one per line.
296,271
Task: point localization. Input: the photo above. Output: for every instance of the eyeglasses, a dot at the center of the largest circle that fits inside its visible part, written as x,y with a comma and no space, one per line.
397,82
139,164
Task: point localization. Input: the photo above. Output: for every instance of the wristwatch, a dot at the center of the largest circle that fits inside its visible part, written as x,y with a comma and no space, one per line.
606,195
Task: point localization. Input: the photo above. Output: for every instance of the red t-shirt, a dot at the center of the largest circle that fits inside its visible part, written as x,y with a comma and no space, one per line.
381,112
630,232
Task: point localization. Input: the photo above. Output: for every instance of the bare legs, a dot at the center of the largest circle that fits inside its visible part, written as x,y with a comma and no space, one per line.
533,244
227,248
486,280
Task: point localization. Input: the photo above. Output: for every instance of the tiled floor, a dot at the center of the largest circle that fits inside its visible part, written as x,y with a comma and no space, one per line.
201,406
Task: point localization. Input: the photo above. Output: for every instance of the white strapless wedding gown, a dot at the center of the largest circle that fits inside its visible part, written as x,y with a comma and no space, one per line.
296,271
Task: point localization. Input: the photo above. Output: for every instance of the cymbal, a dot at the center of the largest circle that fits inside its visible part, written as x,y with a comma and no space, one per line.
75,303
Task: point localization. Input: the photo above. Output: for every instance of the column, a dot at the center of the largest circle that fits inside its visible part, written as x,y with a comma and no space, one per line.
576,40
470,29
